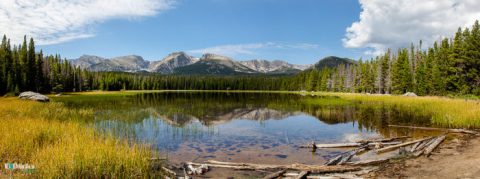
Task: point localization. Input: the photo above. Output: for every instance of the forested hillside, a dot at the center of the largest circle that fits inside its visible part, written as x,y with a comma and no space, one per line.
451,66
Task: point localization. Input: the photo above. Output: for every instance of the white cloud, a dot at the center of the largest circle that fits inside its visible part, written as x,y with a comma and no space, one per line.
252,49
397,23
56,21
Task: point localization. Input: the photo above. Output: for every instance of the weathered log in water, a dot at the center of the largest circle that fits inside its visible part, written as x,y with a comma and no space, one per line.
383,140
368,162
390,148
352,176
345,157
414,147
434,145
349,145
300,167
169,171
420,149
275,175
441,129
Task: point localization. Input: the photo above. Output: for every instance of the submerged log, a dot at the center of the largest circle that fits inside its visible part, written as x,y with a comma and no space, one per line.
390,148
434,145
301,167
441,129
275,175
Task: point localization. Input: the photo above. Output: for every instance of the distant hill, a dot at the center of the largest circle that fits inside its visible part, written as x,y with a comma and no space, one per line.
331,62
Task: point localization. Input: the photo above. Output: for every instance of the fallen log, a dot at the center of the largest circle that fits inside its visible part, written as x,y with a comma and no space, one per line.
339,145
414,147
301,175
350,155
384,140
275,175
345,157
351,176
441,129
420,149
169,171
386,149
301,167
368,162
434,145
348,145
291,174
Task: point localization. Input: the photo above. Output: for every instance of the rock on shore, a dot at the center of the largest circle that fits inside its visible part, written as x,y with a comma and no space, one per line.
29,95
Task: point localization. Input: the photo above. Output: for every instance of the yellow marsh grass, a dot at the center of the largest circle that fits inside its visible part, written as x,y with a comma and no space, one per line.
445,112
42,135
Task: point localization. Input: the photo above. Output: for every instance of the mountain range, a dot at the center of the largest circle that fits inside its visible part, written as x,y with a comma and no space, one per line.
180,63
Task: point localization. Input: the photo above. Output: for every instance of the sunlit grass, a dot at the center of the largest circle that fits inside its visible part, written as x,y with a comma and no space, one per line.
48,136
444,112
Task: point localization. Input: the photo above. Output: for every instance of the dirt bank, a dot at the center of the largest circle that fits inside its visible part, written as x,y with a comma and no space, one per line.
458,157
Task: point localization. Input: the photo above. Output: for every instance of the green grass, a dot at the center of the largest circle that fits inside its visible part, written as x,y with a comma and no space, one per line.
48,136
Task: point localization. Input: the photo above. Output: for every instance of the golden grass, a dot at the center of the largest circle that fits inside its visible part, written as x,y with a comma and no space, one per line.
41,134
444,112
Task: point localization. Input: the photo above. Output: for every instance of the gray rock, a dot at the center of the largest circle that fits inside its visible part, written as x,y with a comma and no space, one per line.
29,95
410,94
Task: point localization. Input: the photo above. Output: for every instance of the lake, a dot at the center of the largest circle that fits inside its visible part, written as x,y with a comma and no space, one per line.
243,127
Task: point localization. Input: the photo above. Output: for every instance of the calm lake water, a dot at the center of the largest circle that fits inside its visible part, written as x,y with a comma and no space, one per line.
243,127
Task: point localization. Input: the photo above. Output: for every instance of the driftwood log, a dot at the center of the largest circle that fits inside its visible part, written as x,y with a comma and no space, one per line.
300,167
434,145
345,157
350,145
440,129
368,162
390,148
384,140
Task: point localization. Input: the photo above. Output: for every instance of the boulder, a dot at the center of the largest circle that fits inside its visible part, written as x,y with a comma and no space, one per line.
33,96
410,94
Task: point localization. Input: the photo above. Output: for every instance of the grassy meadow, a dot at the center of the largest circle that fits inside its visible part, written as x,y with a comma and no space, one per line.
48,136
444,112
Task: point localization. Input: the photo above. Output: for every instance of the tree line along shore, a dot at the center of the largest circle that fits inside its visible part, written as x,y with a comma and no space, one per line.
450,67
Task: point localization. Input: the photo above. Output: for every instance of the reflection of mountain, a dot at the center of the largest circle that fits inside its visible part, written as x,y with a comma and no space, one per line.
213,108
257,114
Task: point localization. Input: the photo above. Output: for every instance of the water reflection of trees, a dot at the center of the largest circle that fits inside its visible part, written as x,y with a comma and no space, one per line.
212,108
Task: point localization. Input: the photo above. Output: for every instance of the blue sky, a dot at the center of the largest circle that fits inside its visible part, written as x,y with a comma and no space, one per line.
298,31
304,31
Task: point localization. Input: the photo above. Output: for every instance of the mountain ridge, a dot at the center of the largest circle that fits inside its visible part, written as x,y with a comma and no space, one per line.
180,63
